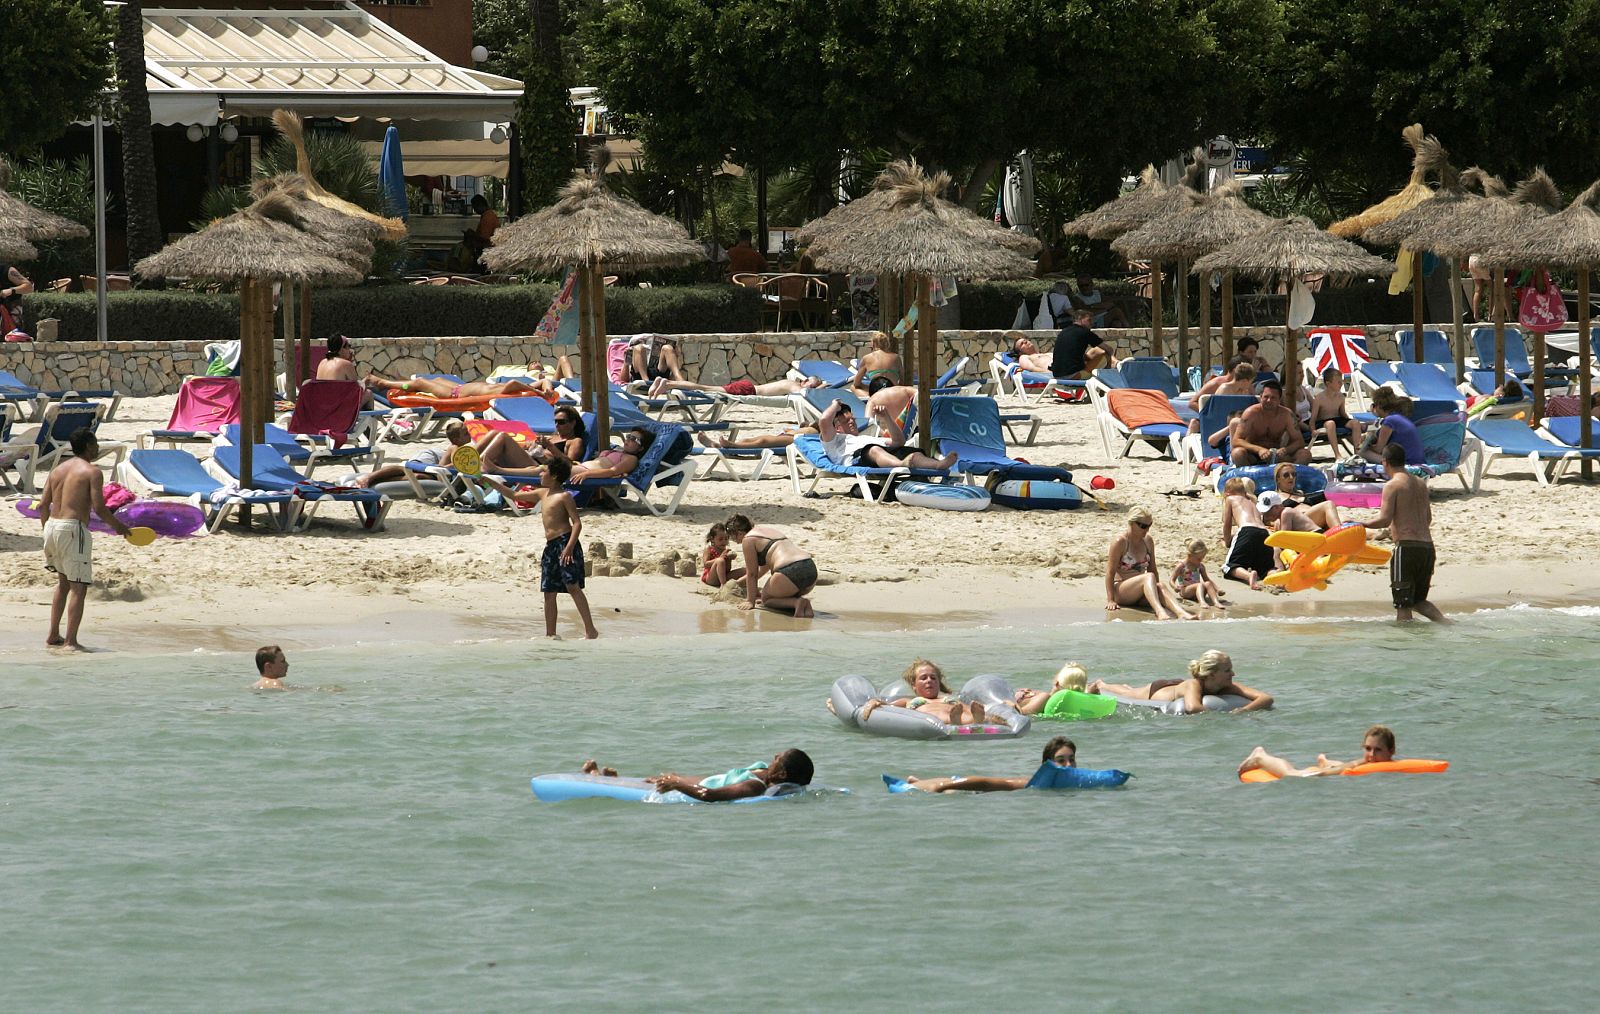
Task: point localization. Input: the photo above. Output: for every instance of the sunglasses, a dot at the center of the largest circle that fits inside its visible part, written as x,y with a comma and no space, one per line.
1143,524
565,420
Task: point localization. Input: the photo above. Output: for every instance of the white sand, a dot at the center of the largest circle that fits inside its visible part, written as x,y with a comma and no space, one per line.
435,574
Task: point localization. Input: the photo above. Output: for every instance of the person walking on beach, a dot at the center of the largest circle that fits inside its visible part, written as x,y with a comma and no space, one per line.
561,567
1376,747
272,667
73,489
1405,511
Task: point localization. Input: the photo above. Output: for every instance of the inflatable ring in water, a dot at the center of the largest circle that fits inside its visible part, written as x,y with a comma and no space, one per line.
851,693
941,496
1409,766
1072,705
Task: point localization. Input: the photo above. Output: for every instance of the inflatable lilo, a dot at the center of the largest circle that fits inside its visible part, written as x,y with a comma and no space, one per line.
925,709
785,776
1210,687
1377,757
1058,770
1313,557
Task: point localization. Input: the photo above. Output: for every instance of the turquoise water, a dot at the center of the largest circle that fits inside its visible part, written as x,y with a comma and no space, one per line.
171,841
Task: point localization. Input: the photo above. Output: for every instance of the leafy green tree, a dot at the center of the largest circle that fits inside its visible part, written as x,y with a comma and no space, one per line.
55,57
133,123
67,189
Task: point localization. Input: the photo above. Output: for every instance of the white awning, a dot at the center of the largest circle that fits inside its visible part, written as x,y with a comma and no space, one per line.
317,57
449,158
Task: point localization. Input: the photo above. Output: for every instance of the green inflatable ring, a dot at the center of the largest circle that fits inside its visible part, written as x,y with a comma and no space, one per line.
1075,705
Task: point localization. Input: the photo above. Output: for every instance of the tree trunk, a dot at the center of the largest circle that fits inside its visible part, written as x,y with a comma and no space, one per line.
981,174
761,208
133,122
546,18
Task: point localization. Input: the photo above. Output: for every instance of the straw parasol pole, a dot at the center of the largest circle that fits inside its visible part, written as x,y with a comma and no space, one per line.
1221,217
1423,226
1427,154
592,228
1289,249
260,245
913,232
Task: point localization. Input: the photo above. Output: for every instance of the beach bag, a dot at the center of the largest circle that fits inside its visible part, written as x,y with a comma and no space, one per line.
1541,307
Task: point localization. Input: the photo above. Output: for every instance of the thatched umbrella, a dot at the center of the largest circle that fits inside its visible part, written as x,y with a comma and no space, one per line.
257,246
1427,155
294,131
1418,228
1289,249
17,215
595,229
14,248
1570,238
911,231
1221,218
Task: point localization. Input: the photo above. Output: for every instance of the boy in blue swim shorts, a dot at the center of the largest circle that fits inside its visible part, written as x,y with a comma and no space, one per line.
561,566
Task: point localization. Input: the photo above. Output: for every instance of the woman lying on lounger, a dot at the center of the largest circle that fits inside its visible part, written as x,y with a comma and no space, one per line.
611,464
1211,673
932,697
502,454
738,388
438,388
789,570
1060,749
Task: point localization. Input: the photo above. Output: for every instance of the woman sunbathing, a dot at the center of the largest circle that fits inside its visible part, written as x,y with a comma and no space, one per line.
932,698
880,362
439,388
502,454
1211,673
738,388
612,464
1072,676
1314,506
1061,750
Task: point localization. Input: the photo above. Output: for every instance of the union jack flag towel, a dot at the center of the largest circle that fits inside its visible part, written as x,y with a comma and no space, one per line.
1344,348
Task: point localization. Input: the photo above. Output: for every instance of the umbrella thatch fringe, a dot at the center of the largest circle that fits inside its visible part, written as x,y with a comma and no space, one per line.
14,248
1289,248
1149,186
294,131
588,224
265,241
1427,155
1220,218
1417,226
32,224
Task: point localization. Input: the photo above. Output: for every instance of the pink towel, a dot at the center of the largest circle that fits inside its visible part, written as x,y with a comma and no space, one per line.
206,404
327,408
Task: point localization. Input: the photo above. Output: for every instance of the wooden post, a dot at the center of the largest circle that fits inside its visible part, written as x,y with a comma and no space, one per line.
927,334
1205,333
602,385
1498,294
1458,329
911,353
303,358
1181,280
1155,308
252,294
889,308
1585,388
1417,315
1538,377
288,316
585,328
1227,318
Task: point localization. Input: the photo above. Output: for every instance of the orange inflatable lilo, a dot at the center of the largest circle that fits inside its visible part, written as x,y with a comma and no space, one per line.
1313,557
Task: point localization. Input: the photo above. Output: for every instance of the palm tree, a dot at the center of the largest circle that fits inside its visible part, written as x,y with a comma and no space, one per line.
133,121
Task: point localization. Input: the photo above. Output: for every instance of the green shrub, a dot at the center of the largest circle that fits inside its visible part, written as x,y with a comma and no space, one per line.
399,311
993,305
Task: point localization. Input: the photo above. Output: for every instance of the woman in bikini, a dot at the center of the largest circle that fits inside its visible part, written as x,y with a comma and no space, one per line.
790,571
1316,506
932,697
439,388
1211,673
1131,575
880,362
612,464
501,454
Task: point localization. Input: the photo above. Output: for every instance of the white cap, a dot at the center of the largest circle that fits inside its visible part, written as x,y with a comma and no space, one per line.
1268,500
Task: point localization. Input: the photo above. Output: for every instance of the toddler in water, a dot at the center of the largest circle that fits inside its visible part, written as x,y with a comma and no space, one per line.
1193,582
716,566
791,767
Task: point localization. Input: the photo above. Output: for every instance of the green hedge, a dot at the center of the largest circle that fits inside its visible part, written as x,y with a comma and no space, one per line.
399,311
991,305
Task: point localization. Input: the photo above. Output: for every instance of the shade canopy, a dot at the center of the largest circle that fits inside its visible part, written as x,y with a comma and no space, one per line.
1415,227
1496,226
1150,200
353,237
294,132
1427,155
590,225
904,227
14,248
265,242
1220,218
1292,247
1570,238
19,217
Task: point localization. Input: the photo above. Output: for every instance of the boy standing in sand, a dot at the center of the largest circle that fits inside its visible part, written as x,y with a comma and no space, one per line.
1405,511
561,567
73,489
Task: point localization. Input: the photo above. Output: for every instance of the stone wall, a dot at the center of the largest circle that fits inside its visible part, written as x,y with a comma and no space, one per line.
152,368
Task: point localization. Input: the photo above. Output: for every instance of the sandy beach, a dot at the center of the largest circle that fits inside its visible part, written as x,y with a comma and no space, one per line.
439,576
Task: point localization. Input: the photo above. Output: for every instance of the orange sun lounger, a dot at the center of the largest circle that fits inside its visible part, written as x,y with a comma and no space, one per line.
1409,766
477,403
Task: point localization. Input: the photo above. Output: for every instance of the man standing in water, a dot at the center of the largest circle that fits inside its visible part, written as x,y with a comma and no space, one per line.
1377,746
73,489
272,667
1405,511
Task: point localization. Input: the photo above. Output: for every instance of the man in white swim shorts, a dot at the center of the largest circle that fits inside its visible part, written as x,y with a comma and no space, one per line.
74,488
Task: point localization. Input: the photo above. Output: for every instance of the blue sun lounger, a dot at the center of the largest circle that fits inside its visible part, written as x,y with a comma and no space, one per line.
1511,438
1426,382
807,452
269,471
1516,355
970,426
177,473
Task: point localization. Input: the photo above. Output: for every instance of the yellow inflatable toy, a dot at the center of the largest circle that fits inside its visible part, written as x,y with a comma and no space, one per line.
1313,557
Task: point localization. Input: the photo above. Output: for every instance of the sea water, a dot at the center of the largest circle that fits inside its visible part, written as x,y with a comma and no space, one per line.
171,841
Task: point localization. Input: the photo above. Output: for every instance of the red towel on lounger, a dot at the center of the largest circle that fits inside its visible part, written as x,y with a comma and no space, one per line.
327,408
206,404
1134,408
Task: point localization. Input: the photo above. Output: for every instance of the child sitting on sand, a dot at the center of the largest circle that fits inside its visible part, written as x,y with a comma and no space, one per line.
1071,676
561,566
1192,581
1249,556
716,566
790,767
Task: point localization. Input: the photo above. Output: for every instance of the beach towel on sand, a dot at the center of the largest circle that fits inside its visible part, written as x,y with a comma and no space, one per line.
1134,408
